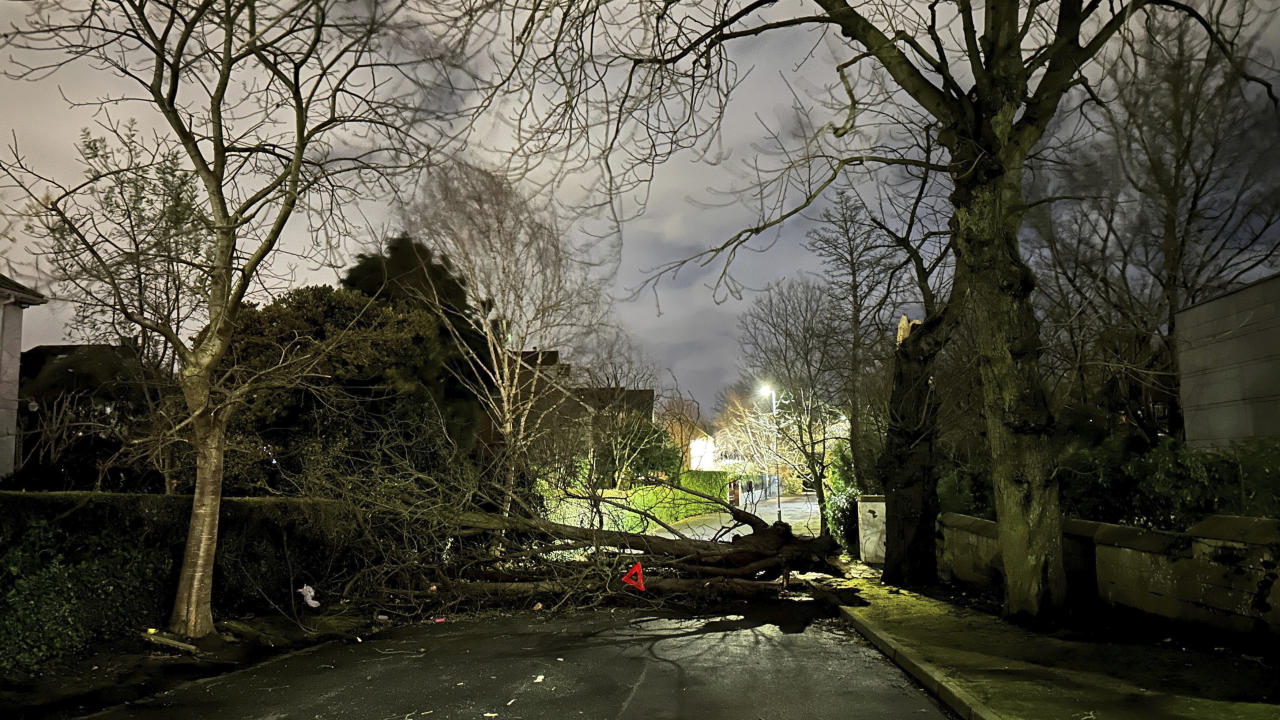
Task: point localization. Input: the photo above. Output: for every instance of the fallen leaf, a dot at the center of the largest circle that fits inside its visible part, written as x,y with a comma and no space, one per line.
540,678
491,714
510,701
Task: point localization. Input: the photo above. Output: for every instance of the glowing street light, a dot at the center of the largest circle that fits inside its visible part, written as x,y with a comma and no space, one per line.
777,465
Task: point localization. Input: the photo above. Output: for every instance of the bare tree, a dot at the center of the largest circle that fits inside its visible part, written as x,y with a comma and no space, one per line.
909,221
790,338
1173,202
631,84
681,416
536,294
277,109
859,270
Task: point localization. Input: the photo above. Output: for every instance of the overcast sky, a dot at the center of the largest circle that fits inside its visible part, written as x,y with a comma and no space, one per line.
693,336
684,329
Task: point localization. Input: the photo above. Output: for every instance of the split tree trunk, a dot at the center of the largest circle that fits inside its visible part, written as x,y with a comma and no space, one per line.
908,466
988,214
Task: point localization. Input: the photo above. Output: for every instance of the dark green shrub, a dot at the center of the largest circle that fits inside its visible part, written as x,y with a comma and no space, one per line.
955,493
1170,485
53,607
842,517
78,569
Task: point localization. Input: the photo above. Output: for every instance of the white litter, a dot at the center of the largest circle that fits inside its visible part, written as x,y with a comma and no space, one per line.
540,678
308,594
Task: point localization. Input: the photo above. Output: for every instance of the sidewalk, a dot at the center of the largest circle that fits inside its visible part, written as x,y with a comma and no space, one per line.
985,668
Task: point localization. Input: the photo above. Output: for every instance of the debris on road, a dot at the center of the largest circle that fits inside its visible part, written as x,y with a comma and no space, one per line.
308,594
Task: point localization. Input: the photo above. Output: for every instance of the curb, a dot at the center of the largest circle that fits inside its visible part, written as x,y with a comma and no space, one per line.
927,674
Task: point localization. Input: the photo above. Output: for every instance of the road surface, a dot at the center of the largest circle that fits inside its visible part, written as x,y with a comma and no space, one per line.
771,662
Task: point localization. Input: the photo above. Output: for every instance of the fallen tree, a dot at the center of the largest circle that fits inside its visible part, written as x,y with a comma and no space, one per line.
766,553
454,527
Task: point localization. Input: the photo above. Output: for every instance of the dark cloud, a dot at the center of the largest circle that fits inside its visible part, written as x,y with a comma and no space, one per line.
689,328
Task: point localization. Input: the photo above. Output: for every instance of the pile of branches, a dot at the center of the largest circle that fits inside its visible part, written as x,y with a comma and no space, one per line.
452,537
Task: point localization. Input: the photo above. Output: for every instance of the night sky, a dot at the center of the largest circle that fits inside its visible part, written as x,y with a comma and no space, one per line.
685,328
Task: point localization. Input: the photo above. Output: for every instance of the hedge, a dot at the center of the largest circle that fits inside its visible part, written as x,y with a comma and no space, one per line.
80,568
671,505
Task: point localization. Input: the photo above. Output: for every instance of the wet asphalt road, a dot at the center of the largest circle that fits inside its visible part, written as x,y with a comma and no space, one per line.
771,662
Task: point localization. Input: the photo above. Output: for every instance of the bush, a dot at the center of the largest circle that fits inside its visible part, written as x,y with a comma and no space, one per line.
670,505
81,568
57,608
842,516
707,482
1170,485
955,493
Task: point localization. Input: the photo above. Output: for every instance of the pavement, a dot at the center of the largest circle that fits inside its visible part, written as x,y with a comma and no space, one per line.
799,511
772,660
984,668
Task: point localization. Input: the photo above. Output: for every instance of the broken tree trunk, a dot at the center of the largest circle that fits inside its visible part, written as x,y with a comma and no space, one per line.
766,553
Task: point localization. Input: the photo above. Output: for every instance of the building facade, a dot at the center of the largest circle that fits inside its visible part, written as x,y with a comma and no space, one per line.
1229,365
14,298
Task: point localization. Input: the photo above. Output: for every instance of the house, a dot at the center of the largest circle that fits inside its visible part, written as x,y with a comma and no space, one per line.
14,298
702,452
554,407
1229,365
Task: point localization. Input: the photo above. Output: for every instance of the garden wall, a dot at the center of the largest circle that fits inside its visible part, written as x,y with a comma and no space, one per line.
1221,572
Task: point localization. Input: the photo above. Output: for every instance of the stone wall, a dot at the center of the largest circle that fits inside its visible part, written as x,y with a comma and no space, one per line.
968,551
1221,572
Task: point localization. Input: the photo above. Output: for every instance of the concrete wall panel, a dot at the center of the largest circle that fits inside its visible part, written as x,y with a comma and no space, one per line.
1229,365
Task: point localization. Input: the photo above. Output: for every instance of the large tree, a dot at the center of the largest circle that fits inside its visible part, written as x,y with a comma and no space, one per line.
633,83
791,337
277,109
1168,201
536,294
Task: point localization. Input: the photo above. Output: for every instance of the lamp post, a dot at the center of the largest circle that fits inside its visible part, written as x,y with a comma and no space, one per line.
777,466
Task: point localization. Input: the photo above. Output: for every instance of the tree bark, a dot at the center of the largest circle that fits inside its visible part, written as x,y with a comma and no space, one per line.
908,466
193,607
988,213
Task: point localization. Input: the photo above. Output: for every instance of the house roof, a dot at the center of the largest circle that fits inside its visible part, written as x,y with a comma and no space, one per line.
22,294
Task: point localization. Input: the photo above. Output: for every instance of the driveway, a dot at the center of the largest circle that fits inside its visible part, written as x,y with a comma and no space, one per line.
799,511
771,661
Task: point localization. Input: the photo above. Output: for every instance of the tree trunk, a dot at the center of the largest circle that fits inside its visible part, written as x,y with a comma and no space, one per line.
819,479
193,608
765,553
908,466
988,214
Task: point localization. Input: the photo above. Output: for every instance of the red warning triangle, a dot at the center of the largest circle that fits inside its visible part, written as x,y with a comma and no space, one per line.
634,577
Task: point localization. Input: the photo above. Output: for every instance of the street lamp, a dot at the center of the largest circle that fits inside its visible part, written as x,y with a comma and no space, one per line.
777,465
